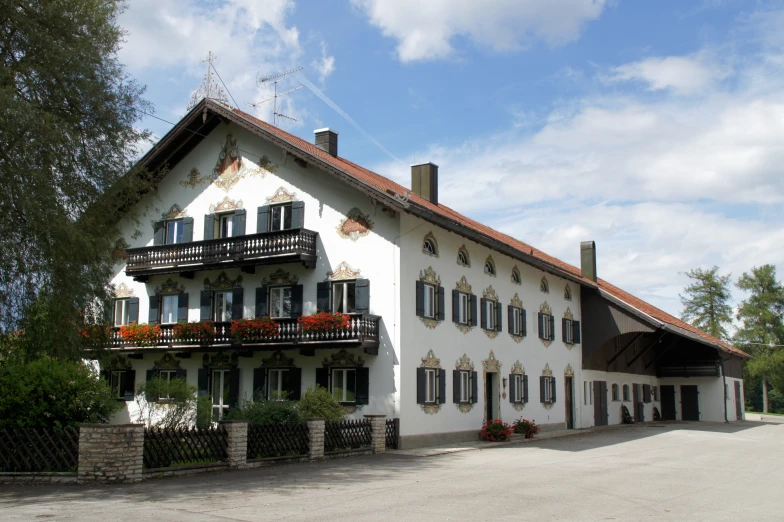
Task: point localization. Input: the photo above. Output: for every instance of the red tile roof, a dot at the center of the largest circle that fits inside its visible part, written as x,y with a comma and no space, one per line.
384,184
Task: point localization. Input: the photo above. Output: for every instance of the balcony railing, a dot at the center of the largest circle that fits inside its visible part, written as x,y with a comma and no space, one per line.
284,246
363,330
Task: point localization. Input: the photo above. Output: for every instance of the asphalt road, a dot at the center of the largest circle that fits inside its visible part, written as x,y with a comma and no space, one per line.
675,472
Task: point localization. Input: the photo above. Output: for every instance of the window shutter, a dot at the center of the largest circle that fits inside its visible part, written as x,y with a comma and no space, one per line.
298,214
499,317
510,319
512,388
205,305
261,301
474,388
542,392
322,297
237,304
456,386
440,304
182,307
179,373
322,377
296,301
564,328
455,306
421,386
420,298
104,374
153,315
362,395
238,222
552,328
525,388
262,219
259,383
541,325
158,231
130,384
294,388
474,317
552,390
209,226
133,310
576,332
483,313
151,374
187,229
234,387
523,322
203,381
441,386
362,296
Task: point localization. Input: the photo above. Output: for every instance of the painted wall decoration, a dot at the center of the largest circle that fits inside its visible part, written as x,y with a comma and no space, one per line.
516,278
518,369
223,282
493,365
226,204
490,294
277,360
463,259
282,196
174,212
280,277
431,361
464,363
342,272
544,286
569,370
463,286
355,225
547,372
429,276
123,291
231,167
120,250
517,303
194,179
545,309
220,360
167,362
170,286
568,292
343,358
568,315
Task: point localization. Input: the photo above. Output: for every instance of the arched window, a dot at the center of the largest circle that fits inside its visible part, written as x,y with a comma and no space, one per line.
544,286
462,257
489,267
615,393
626,396
568,293
429,246
516,276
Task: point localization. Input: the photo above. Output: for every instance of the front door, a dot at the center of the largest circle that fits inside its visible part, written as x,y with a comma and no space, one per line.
600,403
489,403
569,392
668,402
639,413
738,402
690,408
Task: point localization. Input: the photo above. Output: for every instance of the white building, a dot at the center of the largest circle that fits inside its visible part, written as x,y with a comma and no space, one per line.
452,323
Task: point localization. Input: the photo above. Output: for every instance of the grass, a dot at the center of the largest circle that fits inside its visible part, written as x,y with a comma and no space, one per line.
760,413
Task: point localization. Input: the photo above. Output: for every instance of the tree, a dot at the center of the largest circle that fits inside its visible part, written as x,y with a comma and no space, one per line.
67,145
178,410
762,325
706,301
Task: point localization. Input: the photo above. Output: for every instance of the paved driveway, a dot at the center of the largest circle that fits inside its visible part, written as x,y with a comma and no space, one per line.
673,472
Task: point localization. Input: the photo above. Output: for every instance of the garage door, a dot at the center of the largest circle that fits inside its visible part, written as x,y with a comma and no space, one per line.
690,408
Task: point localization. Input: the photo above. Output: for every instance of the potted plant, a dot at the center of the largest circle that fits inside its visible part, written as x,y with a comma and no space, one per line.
257,329
197,331
323,322
529,428
96,334
495,431
140,334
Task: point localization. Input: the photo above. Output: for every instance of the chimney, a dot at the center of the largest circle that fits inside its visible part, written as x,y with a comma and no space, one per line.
327,140
588,260
424,181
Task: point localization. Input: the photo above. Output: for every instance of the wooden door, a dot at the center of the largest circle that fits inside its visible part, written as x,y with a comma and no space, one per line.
690,404
489,404
668,402
569,393
600,403
639,412
738,402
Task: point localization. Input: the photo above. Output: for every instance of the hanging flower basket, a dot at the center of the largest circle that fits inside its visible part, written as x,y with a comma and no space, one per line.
323,322
96,334
495,431
259,329
528,428
140,334
199,331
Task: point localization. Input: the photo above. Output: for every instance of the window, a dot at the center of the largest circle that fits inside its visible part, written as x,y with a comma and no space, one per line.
489,267
517,388
568,293
547,388
465,386
544,286
343,296
429,246
280,217
430,301
490,314
220,393
280,301
615,395
517,321
225,225
546,327
277,386
568,331
173,232
121,312
169,309
166,376
344,385
516,276
626,396
118,382
462,257
430,386
656,394
222,307
463,308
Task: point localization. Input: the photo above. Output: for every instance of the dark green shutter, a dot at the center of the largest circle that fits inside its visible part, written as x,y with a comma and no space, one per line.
260,383
499,317
238,223
362,296
523,321
455,306
576,332
209,226
483,313
187,230
296,301
158,231
182,307
474,317
133,310
130,385
420,298
525,388
510,319
237,304
552,328
512,388
298,214
180,373
203,381
441,399
542,391
456,386
541,325
421,386
552,389
474,388
153,316
322,297
294,388
262,219
205,305
234,387
322,377
564,327
440,304
362,395
262,309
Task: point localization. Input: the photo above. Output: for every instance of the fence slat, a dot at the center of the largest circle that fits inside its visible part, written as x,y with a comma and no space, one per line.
39,449
277,440
347,435
164,447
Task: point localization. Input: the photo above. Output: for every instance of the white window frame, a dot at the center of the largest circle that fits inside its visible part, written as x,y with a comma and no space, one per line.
219,409
569,333
489,267
278,392
430,301
225,225
228,302
169,308
167,376
284,209
431,386
116,381
429,247
122,304
516,277
280,298
345,372
490,314
517,321
464,308
547,399
546,333
518,381
462,258
170,238
465,386
348,287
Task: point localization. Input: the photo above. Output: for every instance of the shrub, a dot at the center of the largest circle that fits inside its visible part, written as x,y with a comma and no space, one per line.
258,329
198,331
495,431
263,411
529,428
178,410
323,322
319,403
203,411
52,393
140,334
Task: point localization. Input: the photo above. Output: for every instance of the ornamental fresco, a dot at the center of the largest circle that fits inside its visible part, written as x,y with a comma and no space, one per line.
226,204
223,282
194,179
464,363
342,272
463,286
429,276
174,212
545,309
122,291
170,286
282,196
281,277
231,168
430,361
518,369
355,225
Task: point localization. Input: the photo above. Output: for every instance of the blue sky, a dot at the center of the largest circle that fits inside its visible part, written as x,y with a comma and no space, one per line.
654,128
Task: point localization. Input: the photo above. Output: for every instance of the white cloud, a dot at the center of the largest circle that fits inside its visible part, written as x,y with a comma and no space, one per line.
681,74
426,30
325,66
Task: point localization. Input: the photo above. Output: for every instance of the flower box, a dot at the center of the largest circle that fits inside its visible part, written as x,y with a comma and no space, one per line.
140,334
324,322
258,329
198,331
96,334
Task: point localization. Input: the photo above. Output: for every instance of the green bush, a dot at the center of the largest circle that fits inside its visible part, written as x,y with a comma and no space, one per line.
203,411
319,403
53,393
263,411
178,410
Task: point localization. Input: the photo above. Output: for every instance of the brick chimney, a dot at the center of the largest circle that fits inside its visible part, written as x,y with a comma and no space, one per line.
424,181
327,140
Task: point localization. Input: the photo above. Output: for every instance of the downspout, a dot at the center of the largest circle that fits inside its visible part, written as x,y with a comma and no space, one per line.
724,390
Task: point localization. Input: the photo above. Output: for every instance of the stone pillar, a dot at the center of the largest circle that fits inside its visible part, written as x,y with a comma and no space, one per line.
378,427
236,443
315,439
110,453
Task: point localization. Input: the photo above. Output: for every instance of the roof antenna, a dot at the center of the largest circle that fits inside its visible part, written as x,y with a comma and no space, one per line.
275,78
209,87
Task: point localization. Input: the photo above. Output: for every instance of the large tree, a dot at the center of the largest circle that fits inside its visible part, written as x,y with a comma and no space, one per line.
762,325
706,301
67,141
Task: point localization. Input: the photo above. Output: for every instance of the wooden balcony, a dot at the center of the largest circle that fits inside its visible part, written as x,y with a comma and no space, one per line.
363,331
284,246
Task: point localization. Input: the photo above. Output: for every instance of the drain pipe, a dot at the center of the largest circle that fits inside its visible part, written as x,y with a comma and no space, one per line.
724,390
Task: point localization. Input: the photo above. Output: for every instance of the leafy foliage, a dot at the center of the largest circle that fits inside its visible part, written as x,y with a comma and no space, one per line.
762,312
48,393
495,431
263,411
166,404
199,331
319,403
706,303
140,334
323,322
527,427
257,329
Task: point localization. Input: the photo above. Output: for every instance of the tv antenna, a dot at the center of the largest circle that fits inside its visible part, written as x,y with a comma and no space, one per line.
209,87
275,78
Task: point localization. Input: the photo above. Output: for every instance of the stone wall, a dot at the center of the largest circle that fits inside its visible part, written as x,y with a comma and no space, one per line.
110,453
